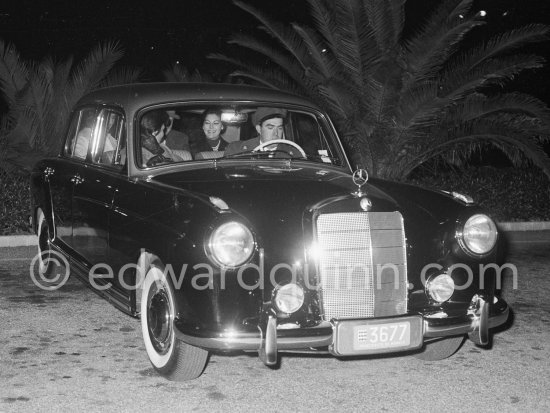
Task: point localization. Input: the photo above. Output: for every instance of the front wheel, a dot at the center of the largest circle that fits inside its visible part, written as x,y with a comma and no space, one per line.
439,350
170,357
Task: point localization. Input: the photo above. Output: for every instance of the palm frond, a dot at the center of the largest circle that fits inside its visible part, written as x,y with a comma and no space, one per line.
347,51
58,109
420,107
504,43
323,17
425,64
281,59
94,68
347,45
337,101
438,39
386,18
274,79
402,102
369,53
486,132
121,76
324,65
328,71
13,72
40,106
516,106
282,33
458,81
178,73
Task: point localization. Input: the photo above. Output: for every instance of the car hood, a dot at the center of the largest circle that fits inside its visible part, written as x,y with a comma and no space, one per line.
264,189
274,199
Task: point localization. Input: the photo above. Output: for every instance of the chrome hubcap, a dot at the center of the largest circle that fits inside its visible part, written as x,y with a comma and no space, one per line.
159,320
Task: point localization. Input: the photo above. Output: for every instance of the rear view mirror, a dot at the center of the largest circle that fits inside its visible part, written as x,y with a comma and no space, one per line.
234,117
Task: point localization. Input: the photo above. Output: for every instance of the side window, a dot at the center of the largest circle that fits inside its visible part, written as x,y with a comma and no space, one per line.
80,133
110,146
309,134
306,133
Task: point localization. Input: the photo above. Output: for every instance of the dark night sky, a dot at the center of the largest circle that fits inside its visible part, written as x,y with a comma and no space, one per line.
156,34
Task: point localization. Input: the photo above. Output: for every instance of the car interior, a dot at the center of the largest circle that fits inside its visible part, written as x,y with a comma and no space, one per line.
99,136
301,128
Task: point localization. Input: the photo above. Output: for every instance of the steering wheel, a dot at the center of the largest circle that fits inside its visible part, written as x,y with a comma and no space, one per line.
279,141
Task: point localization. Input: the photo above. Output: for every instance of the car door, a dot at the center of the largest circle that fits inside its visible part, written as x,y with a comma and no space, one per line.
62,172
93,194
93,191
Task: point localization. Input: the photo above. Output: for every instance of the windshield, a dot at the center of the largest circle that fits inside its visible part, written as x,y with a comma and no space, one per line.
183,133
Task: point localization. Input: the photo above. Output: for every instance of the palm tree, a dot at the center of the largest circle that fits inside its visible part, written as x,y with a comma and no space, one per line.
179,73
40,96
401,102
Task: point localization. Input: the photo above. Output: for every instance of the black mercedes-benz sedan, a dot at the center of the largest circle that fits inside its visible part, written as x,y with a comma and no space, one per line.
228,218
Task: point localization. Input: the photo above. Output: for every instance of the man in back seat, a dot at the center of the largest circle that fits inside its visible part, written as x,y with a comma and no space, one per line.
175,139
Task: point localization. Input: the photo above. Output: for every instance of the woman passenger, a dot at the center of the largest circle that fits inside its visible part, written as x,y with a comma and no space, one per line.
212,127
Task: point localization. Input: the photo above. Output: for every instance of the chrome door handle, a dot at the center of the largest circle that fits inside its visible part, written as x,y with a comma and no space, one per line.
77,179
47,173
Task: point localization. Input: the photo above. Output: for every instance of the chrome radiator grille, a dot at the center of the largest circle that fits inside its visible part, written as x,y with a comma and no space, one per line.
362,264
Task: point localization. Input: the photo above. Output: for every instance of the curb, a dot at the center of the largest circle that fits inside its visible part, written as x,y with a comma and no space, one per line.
18,241
523,227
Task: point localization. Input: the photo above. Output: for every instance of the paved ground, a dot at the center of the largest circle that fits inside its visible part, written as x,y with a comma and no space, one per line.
69,350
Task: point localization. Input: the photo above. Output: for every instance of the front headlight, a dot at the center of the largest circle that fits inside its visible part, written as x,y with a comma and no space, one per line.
231,244
479,234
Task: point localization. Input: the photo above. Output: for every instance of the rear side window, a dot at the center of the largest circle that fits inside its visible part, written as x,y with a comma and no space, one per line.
81,131
109,144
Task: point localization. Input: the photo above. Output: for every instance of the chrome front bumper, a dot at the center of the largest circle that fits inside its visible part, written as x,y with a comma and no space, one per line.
475,323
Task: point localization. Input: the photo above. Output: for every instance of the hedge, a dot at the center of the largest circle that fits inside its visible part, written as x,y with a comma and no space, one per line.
509,194
15,204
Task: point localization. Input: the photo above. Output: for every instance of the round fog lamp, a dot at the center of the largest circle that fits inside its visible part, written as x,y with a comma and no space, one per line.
289,298
479,234
441,287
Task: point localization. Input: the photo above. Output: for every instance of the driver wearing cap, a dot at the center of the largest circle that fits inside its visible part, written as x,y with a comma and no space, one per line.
269,123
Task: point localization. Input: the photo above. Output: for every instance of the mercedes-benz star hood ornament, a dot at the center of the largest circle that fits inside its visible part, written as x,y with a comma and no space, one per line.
360,178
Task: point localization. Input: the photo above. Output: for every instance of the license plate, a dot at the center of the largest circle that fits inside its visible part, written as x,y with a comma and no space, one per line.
372,336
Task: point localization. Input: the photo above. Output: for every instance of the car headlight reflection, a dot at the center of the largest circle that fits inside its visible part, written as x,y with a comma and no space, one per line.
440,287
231,244
289,298
479,234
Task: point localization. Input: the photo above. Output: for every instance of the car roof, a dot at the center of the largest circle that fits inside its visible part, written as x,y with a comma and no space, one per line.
133,97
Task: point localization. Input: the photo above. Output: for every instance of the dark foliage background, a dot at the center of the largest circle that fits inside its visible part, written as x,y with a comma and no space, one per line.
509,194
15,204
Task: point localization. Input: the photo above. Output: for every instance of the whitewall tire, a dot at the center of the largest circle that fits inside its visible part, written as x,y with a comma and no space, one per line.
44,238
169,356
